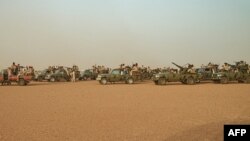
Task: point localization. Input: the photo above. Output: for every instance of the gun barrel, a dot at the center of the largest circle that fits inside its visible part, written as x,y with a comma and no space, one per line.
177,65
231,65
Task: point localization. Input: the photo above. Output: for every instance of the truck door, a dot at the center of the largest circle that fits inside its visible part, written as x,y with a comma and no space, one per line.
115,75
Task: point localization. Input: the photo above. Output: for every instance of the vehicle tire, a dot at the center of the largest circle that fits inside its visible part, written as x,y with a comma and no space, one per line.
184,82
241,81
216,81
156,82
162,81
40,79
248,80
190,81
21,82
63,79
85,78
130,81
68,79
52,79
103,81
224,80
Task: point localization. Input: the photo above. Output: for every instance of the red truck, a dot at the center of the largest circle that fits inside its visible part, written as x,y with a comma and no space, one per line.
21,80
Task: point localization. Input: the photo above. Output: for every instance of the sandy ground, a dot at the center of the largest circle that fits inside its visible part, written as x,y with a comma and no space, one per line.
88,111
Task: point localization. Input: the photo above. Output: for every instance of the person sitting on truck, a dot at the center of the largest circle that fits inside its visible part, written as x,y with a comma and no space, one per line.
21,73
191,68
226,67
134,69
13,68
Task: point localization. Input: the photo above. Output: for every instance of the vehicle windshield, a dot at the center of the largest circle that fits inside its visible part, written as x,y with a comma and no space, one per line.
200,70
116,72
44,71
57,71
82,72
87,71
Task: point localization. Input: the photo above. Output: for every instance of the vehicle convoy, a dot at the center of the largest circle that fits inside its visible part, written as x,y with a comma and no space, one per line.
20,79
238,72
88,74
119,75
185,75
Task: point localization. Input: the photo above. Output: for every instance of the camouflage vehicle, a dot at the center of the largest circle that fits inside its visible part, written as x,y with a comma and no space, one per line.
119,75
42,75
21,80
182,76
88,74
59,75
237,72
206,73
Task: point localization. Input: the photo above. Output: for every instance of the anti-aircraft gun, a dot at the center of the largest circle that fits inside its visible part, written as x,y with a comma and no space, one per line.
183,70
180,67
242,66
169,76
238,72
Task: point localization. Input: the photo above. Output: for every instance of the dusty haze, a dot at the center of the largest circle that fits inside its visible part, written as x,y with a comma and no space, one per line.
110,32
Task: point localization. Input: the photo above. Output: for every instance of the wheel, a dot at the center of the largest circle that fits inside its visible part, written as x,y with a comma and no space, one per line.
52,79
39,79
184,82
21,82
103,81
190,81
85,78
162,81
224,80
216,81
130,81
248,80
156,82
240,81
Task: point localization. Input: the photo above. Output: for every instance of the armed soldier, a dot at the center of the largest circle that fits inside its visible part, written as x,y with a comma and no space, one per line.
210,65
14,68
134,68
242,63
226,67
191,68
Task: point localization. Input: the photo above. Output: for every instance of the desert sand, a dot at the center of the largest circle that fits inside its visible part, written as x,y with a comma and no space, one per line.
88,111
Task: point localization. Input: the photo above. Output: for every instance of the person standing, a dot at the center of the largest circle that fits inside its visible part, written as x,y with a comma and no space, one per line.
9,73
73,76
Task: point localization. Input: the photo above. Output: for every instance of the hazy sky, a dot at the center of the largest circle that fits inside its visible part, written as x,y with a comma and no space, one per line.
111,32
